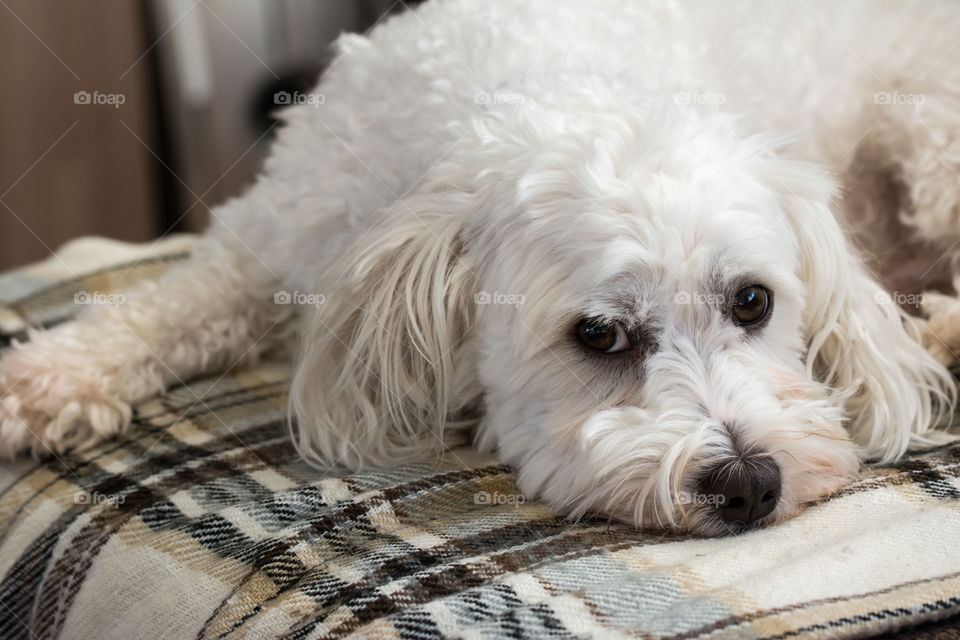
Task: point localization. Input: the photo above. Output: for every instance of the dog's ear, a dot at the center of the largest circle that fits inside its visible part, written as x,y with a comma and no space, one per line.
860,342
383,364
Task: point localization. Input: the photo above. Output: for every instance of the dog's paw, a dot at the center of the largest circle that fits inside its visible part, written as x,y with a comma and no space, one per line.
51,403
941,329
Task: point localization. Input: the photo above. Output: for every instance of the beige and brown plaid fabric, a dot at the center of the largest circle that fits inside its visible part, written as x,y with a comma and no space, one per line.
202,523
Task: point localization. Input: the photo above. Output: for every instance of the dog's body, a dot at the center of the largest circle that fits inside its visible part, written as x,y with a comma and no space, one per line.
488,189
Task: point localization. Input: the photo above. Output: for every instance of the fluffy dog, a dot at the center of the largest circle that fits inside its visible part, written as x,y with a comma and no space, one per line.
624,244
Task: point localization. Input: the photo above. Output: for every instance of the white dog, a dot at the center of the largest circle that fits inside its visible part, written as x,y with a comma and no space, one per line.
614,240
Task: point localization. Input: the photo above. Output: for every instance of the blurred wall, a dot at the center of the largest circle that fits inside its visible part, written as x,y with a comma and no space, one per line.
221,63
67,167
133,118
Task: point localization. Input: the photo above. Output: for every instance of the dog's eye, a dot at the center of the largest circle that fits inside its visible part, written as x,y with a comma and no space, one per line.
603,336
750,305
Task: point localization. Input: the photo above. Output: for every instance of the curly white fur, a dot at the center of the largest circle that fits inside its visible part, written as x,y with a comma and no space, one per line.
482,176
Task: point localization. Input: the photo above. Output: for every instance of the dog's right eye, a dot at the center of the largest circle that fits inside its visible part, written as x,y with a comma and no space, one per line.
603,336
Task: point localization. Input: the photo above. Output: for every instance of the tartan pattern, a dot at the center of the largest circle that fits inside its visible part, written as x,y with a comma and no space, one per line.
201,522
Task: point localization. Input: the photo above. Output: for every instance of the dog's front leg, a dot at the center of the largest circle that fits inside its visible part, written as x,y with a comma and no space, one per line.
73,385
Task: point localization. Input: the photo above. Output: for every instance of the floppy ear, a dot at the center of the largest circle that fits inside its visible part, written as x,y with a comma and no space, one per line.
860,342
385,362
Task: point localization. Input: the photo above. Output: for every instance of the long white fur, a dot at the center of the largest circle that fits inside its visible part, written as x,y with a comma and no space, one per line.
575,159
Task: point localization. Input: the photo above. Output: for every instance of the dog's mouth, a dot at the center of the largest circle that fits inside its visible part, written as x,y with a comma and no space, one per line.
718,490
699,522
732,494
711,524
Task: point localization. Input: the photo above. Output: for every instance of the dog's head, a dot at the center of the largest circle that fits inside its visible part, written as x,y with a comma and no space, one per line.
649,314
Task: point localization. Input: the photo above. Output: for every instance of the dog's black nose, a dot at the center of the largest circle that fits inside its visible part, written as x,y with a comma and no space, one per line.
744,490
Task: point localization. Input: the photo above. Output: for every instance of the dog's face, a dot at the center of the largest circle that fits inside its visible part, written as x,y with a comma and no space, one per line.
660,321
642,341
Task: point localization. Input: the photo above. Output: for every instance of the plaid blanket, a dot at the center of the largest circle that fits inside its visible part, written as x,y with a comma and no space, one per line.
202,523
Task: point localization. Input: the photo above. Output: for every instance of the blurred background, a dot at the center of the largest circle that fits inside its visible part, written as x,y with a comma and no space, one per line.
131,118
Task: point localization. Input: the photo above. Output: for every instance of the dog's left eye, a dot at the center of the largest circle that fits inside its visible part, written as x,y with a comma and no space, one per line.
603,336
751,305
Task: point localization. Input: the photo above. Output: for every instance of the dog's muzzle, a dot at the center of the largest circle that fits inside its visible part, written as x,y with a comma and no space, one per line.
744,490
